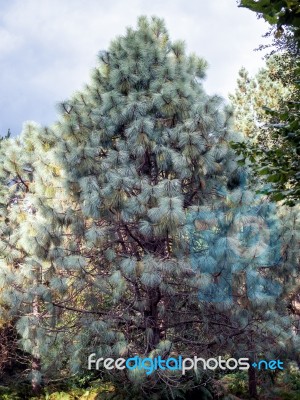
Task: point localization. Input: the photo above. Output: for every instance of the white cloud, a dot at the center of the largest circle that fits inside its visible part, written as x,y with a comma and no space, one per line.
8,43
47,48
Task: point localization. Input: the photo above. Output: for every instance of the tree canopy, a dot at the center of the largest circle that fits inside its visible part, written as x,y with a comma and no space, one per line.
279,165
127,227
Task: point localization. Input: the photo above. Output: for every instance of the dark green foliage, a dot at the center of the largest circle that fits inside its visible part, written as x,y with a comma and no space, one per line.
283,13
7,136
278,166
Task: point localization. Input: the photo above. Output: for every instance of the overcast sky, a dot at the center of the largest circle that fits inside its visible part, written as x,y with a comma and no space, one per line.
48,47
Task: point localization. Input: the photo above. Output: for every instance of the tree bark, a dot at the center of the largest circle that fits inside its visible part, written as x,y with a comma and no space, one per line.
252,384
151,319
36,362
35,368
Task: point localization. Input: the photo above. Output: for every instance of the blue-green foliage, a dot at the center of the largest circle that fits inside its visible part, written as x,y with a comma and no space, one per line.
241,234
94,237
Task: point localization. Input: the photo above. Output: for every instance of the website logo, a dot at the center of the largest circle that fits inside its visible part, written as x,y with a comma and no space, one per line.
183,364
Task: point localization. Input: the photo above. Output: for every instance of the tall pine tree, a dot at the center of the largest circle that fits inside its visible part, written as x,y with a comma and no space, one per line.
99,228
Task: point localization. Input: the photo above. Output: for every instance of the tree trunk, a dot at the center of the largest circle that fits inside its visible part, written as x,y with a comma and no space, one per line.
151,319
36,362
252,385
35,370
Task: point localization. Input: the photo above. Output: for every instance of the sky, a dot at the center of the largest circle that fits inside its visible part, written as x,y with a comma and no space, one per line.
49,47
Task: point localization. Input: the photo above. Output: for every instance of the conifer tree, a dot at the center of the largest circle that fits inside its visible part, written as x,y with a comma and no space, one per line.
104,256
20,270
261,113
268,88
278,164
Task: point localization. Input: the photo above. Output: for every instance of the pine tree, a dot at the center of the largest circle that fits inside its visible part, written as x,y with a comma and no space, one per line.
20,269
265,107
268,88
277,162
106,222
